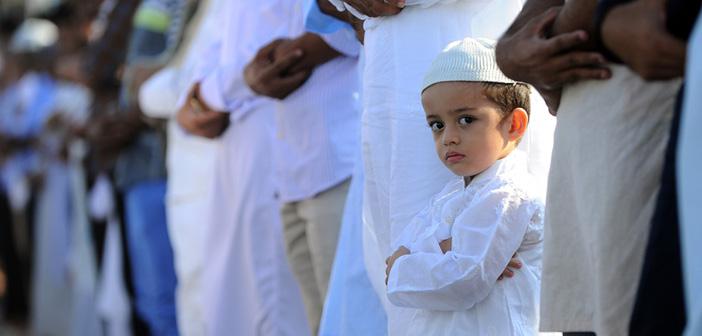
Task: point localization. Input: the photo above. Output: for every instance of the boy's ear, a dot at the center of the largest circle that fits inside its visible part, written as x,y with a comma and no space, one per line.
520,120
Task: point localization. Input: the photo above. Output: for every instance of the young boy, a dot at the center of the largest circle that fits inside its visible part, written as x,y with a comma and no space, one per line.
452,254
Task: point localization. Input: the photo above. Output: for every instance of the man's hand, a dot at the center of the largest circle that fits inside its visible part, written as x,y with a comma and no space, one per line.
514,263
390,261
201,120
376,8
271,77
314,49
531,56
637,34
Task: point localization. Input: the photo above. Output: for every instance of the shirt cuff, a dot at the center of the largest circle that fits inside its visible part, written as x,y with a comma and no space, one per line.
318,22
343,41
212,94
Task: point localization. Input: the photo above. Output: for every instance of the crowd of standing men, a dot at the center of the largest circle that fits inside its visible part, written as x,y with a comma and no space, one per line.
220,167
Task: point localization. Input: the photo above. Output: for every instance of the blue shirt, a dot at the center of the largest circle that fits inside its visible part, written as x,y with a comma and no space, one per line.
320,23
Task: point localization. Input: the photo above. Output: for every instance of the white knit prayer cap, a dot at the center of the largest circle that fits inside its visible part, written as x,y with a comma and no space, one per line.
467,60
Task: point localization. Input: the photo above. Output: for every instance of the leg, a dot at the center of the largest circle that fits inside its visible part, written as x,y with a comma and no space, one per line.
299,256
153,273
322,215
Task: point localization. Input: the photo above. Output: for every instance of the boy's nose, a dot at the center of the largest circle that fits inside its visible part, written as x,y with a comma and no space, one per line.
450,137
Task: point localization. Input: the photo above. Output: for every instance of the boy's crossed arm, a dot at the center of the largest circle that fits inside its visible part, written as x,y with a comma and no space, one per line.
445,246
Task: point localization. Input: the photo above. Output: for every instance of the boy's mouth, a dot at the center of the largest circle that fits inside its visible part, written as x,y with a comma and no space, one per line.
453,157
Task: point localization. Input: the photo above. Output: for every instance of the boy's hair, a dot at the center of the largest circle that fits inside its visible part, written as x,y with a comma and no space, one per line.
508,96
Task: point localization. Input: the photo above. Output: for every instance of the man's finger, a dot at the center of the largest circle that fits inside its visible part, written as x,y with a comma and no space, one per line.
542,23
267,50
281,65
508,273
396,3
289,84
577,60
578,74
564,42
387,8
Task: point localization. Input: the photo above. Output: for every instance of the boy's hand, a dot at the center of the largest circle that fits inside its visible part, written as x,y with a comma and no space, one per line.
445,245
391,260
514,263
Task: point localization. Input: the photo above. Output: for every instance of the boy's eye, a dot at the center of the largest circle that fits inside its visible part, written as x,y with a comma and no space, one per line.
465,120
436,126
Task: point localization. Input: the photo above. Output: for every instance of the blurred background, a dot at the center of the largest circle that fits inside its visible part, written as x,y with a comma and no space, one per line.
73,141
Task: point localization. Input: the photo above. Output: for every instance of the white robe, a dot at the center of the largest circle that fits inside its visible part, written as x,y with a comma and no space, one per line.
498,214
401,169
249,288
190,162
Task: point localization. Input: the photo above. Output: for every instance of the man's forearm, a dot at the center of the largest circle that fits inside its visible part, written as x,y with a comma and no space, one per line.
531,9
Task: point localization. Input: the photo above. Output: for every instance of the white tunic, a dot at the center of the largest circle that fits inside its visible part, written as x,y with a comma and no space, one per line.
603,185
498,214
317,125
190,163
401,169
249,287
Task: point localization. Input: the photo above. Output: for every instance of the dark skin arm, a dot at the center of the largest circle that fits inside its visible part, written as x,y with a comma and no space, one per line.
315,52
203,121
636,32
534,51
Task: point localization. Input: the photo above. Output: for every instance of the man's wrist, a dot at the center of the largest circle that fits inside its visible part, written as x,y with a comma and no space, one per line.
604,7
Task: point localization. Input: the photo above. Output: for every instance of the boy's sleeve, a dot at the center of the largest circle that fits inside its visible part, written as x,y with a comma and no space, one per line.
484,238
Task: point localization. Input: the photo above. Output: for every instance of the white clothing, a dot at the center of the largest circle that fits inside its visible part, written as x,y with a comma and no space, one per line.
689,183
190,162
249,288
317,124
497,215
401,169
607,160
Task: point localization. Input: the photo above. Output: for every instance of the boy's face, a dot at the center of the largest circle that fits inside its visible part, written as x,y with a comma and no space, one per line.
470,132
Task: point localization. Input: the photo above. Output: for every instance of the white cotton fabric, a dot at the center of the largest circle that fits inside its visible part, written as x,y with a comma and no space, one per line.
690,182
111,298
467,60
607,160
249,288
317,125
190,161
402,172
497,215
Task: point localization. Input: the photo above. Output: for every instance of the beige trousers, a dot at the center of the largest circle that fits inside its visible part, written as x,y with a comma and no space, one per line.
311,230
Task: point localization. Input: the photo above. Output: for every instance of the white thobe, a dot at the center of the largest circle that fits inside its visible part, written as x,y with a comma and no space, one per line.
497,215
401,169
250,290
317,125
689,183
190,162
